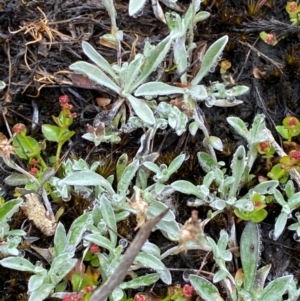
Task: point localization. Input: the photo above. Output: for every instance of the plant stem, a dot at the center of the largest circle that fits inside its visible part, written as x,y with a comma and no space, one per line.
206,134
41,161
58,151
190,35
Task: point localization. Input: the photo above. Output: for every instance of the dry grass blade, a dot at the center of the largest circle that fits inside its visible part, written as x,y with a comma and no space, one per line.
118,276
37,29
276,64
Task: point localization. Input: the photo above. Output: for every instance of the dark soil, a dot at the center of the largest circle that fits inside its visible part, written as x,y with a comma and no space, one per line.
35,75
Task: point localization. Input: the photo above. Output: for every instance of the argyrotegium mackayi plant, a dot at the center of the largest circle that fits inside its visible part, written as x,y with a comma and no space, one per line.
9,239
101,133
249,282
92,228
124,79
248,207
99,226
105,221
292,203
127,79
62,190
79,175
221,255
296,227
96,230
190,93
253,136
256,136
44,281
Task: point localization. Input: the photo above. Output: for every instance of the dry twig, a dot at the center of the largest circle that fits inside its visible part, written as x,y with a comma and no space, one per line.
276,64
118,276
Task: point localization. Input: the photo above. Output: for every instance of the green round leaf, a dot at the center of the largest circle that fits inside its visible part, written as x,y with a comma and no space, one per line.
51,132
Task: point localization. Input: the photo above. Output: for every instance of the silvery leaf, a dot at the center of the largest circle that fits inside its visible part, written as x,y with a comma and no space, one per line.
97,58
210,58
96,74
135,7
141,109
157,88
198,92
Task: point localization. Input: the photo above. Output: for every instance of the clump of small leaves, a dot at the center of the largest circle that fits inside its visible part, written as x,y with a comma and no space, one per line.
269,38
249,283
267,151
9,239
293,9
40,171
292,203
290,128
175,293
28,148
225,65
60,132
